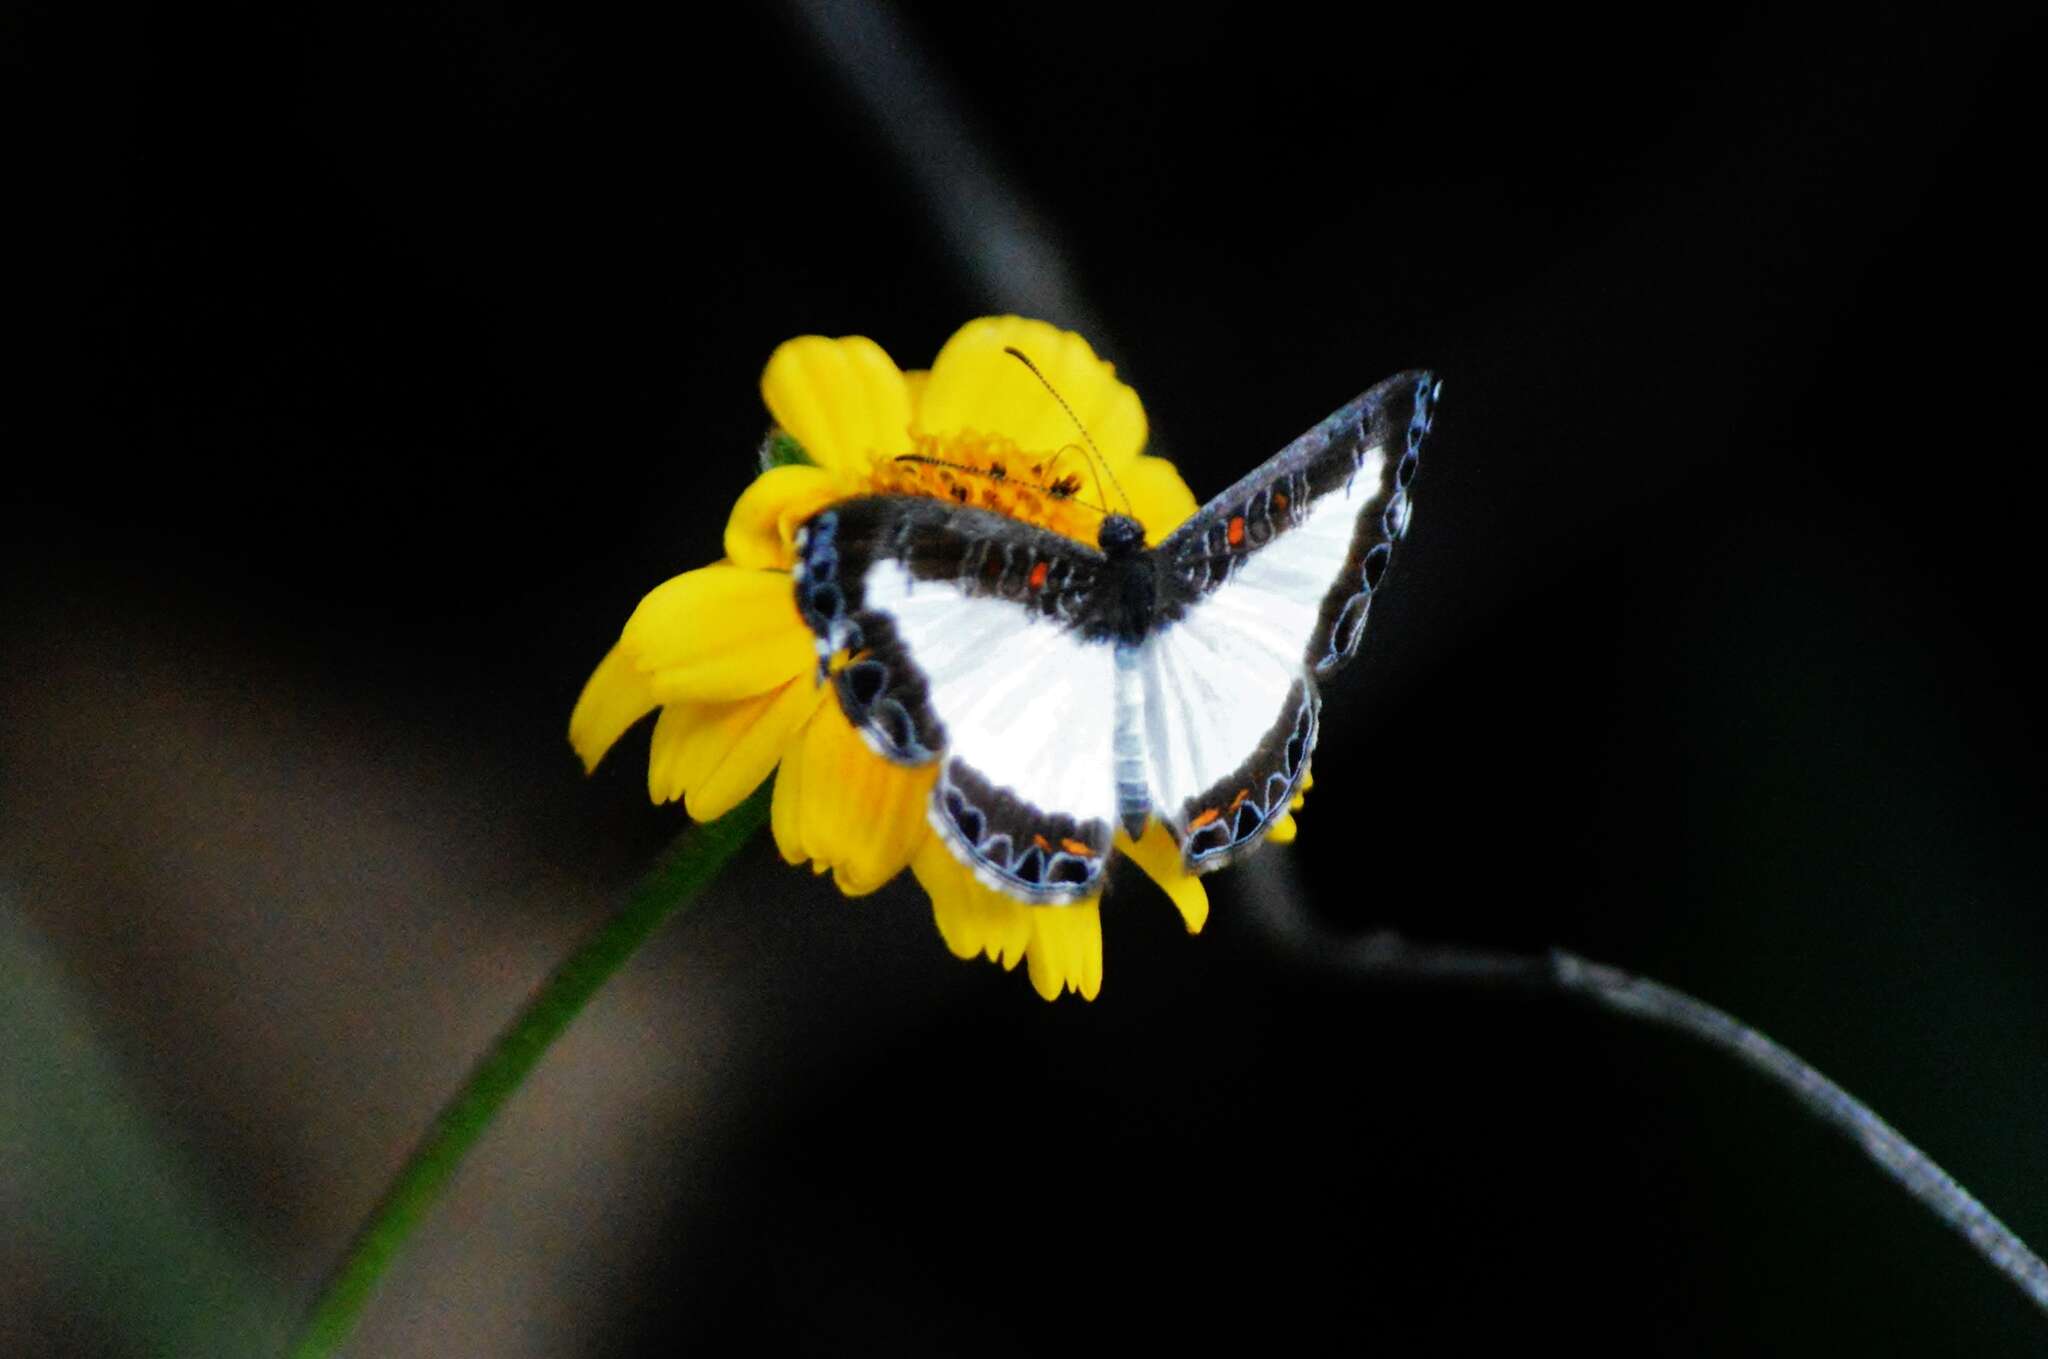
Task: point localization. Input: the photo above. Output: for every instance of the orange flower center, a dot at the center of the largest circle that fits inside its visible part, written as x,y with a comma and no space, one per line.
989,472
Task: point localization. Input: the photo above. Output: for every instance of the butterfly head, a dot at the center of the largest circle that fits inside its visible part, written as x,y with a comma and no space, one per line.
1120,536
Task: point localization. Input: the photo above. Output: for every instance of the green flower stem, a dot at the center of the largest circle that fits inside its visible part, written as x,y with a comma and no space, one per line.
694,860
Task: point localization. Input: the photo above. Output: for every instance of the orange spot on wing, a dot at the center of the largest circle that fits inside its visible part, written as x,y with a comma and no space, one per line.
1279,501
1042,843
1076,847
1238,801
1237,531
1207,815
1038,576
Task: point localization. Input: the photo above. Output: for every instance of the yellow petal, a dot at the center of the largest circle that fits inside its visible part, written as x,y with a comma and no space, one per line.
785,808
1156,853
616,697
914,382
1159,498
843,400
972,919
859,814
751,756
755,754
691,738
1066,949
959,923
719,633
764,521
976,386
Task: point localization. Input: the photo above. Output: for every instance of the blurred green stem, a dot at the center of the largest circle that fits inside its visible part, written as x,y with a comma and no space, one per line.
684,871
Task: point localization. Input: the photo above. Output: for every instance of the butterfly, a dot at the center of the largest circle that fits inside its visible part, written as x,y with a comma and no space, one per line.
1065,691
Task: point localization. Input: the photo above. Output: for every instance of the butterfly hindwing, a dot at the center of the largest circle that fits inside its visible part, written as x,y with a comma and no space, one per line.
1266,589
1229,728
957,636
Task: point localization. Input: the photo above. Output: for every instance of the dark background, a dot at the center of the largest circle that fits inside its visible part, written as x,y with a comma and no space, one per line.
377,362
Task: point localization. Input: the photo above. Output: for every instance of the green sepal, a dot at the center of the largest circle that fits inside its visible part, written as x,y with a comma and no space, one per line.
778,449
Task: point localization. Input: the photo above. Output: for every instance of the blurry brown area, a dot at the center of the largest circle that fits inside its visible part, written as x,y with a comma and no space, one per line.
295,921
377,363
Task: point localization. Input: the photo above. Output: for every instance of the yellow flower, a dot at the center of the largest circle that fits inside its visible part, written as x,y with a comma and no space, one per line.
723,652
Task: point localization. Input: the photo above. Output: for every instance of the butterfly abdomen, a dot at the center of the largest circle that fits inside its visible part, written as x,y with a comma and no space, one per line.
1133,797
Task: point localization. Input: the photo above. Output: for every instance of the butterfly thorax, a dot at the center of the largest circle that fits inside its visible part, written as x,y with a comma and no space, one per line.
1125,611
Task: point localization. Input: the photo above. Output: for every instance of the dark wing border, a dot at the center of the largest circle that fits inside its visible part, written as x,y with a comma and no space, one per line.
1046,857
1227,821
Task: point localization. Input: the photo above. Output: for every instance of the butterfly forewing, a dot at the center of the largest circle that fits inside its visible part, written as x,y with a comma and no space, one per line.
1265,589
960,636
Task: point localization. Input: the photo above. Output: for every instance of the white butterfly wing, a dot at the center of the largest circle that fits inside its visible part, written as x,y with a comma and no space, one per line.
959,626
1210,690
1031,711
1263,590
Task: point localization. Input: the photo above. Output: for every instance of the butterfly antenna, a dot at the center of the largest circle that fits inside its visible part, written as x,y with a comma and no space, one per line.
1101,463
922,461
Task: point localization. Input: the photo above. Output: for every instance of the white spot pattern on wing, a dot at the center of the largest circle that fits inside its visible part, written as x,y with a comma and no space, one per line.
1217,681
